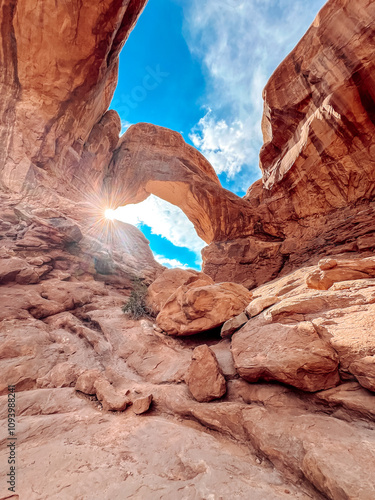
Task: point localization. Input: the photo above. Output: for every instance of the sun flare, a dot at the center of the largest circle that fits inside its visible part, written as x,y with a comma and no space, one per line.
109,214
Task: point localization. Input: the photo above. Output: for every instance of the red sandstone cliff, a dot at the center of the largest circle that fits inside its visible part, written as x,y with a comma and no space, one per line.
60,63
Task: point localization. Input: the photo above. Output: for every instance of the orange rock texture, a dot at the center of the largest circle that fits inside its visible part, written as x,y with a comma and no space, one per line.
317,157
317,161
196,308
61,61
151,159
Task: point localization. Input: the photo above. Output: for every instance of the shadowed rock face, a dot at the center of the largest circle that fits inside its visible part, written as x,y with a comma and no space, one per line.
319,113
318,127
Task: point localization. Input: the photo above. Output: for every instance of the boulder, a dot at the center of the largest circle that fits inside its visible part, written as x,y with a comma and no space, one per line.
196,309
292,354
204,377
232,325
70,232
167,283
86,381
224,357
111,399
141,405
351,396
17,270
364,371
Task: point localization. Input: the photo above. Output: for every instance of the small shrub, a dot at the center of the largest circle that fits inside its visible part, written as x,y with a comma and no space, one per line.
136,306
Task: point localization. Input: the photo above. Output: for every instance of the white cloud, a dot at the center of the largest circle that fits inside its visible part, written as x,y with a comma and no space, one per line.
240,43
164,220
164,261
124,126
224,145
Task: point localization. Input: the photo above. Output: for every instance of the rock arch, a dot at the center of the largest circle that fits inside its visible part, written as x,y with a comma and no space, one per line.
155,160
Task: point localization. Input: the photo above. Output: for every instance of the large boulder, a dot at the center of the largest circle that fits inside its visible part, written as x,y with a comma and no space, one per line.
258,305
292,354
193,309
364,370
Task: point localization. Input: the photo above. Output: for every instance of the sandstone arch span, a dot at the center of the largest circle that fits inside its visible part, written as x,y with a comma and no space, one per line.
155,160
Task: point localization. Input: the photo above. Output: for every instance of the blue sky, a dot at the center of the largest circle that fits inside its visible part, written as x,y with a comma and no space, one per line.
211,59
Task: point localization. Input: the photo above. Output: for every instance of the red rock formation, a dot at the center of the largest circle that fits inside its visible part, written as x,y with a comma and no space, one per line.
319,115
317,126
204,377
151,159
317,160
292,354
75,358
198,307
61,63
167,283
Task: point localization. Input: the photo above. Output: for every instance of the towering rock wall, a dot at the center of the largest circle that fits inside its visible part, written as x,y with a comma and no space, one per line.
318,159
59,72
319,114
60,63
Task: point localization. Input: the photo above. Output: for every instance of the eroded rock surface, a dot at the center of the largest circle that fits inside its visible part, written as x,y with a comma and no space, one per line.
55,100
83,371
156,160
317,161
169,281
292,354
